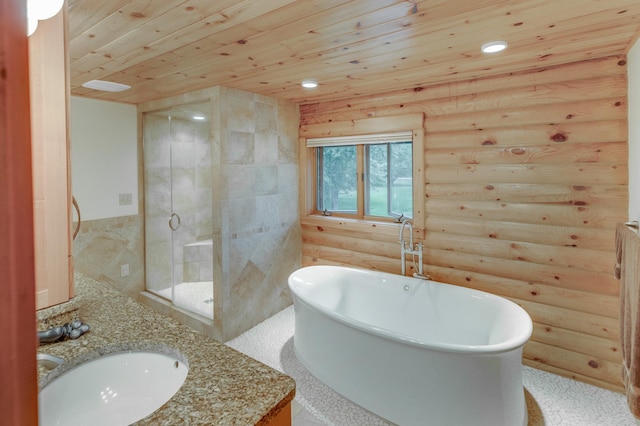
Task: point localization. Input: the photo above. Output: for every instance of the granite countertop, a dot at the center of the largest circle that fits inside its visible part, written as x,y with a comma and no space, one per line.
223,387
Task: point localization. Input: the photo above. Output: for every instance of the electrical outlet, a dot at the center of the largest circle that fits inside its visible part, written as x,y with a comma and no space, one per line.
124,270
125,199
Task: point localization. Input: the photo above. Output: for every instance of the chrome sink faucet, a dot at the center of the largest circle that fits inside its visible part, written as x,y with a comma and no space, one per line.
410,248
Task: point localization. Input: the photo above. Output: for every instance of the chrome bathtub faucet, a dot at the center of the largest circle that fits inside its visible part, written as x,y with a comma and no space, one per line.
411,249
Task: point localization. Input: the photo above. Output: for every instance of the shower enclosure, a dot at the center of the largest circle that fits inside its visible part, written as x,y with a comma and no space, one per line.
222,230
178,206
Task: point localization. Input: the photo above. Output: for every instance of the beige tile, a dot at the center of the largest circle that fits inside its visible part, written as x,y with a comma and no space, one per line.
243,214
240,112
266,118
105,244
266,148
287,149
239,148
265,180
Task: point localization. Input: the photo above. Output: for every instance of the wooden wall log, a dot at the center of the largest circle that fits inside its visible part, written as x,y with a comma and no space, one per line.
600,216
568,173
525,179
373,229
567,112
364,126
586,323
609,152
597,346
348,242
535,134
545,254
582,237
520,290
575,362
570,374
577,195
571,279
349,258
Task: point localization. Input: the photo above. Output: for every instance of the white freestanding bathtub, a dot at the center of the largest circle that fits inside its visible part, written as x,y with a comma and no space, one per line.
414,352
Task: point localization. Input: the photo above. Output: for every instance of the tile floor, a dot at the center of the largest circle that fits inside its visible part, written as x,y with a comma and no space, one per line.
552,400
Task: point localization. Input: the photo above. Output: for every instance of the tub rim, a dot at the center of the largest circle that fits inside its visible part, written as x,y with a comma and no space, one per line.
509,345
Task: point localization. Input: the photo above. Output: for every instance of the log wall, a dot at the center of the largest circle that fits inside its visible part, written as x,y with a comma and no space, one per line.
525,179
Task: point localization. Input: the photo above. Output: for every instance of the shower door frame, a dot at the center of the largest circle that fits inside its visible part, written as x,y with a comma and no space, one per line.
173,219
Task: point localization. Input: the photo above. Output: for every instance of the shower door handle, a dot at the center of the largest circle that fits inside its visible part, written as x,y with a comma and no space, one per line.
171,225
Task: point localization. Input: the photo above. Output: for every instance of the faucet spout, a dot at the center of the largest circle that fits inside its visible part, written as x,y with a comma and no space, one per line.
406,222
404,249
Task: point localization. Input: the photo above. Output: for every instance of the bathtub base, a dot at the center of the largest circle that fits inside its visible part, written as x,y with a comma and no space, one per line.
414,352
406,385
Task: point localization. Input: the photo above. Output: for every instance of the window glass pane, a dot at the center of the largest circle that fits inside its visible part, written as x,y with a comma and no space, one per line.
377,166
337,179
401,184
388,183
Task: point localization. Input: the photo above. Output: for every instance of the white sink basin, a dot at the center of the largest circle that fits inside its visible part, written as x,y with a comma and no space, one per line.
115,389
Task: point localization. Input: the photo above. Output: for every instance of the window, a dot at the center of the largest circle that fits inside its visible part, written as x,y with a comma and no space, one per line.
337,179
388,180
364,176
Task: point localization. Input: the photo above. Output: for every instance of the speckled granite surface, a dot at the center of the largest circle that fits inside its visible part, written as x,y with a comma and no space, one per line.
223,387
57,315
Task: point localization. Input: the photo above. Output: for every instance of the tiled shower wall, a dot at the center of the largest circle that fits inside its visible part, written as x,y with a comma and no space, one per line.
260,231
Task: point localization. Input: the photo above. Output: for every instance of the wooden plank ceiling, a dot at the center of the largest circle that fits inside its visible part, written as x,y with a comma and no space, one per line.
353,48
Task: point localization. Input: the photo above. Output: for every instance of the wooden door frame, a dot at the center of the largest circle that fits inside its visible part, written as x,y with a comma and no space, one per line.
19,390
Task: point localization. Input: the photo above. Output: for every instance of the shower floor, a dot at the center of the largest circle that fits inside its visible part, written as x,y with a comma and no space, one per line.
194,296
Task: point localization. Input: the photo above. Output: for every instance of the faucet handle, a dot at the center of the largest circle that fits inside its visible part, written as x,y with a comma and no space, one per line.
397,218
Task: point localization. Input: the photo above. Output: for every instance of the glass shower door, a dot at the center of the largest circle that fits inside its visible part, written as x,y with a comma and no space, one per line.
178,209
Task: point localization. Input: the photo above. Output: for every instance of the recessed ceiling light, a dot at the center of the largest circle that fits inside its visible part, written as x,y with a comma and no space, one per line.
199,117
494,46
309,84
106,86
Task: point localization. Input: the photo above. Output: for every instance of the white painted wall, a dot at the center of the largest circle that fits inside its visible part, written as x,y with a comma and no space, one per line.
633,64
104,157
